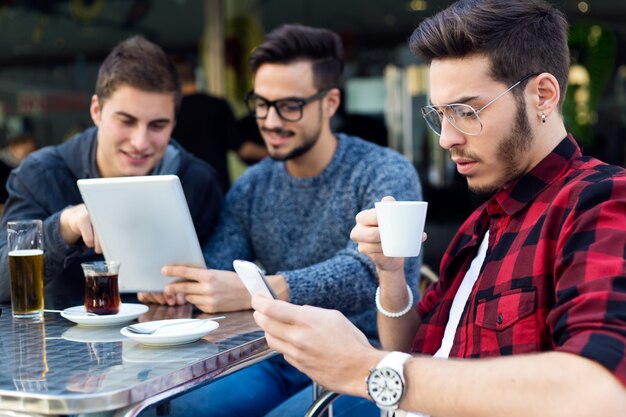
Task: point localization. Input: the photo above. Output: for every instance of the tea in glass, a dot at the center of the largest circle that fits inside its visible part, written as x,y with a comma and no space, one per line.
102,294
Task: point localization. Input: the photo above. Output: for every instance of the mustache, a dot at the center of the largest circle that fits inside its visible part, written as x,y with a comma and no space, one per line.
278,131
461,153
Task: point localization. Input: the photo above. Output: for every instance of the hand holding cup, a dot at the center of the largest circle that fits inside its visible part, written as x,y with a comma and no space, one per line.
401,226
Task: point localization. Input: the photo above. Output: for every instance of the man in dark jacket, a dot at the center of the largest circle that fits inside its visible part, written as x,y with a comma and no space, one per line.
134,108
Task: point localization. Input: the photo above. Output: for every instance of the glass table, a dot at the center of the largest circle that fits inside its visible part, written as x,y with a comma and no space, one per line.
55,367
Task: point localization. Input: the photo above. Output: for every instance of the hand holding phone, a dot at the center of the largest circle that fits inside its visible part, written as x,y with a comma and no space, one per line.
253,278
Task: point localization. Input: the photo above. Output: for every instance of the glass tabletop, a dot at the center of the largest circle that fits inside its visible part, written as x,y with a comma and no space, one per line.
57,367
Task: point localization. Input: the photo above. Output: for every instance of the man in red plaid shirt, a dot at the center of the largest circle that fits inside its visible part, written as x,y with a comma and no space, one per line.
530,308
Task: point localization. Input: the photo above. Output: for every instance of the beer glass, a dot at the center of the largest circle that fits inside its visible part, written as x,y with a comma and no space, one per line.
25,247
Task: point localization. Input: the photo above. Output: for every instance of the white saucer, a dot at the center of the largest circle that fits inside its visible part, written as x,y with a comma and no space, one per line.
186,332
93,334
128,312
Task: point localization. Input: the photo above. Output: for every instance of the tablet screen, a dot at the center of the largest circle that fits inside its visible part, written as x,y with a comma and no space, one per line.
144,223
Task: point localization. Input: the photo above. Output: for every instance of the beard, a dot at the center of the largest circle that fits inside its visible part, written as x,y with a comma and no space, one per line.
515,144
309,139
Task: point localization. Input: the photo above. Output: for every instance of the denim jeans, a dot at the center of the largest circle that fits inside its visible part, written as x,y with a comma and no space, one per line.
251,392
344,406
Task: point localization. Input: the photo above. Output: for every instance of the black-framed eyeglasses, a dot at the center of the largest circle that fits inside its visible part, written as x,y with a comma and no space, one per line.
462,117
289,109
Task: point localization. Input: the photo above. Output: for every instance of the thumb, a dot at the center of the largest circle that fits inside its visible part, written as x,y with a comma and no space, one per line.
388,198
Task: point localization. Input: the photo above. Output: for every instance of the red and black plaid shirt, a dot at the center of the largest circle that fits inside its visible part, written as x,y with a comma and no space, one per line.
554,277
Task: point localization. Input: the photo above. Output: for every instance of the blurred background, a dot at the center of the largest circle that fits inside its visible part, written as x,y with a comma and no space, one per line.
50,51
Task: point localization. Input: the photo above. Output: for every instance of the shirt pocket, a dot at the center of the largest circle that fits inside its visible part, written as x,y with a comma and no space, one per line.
506,323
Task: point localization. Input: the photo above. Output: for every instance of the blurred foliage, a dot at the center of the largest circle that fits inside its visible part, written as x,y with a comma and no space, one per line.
243,33
594,47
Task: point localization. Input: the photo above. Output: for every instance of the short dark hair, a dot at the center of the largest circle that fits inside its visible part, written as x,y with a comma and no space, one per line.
291,43
519,37
22,139
141,64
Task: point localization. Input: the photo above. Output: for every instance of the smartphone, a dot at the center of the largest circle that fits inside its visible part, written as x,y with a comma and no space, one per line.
253,278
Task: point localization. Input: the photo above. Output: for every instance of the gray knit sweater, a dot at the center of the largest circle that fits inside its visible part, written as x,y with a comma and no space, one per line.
300,227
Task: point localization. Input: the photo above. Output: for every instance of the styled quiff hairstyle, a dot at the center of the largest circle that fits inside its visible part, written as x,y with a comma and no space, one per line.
141,64
518,36
291,43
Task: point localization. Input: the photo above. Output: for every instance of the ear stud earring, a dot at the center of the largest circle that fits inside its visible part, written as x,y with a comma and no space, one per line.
543,117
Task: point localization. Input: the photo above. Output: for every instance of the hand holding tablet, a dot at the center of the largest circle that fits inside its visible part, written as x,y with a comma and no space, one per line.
144,223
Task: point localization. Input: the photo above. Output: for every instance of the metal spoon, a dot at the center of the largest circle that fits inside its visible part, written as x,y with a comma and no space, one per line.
71,313
142,329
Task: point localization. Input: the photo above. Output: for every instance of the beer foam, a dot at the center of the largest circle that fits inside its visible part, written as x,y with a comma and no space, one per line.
26,252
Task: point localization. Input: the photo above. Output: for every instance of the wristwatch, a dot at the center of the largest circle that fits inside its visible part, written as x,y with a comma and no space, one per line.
385,383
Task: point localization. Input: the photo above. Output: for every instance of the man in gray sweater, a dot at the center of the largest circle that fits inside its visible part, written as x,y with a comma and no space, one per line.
293,213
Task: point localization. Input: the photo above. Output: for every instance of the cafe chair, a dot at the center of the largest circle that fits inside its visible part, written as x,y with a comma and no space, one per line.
323,399
323,405
322,402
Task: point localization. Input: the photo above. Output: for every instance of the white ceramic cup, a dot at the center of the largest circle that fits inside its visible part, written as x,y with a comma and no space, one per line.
401,225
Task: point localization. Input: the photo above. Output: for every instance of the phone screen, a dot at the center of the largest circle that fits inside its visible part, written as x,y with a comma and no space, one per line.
253,278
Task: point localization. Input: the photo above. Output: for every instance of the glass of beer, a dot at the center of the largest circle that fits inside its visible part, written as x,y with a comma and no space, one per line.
102,294
25,247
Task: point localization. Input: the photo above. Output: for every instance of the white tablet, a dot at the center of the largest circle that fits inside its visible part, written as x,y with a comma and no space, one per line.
144,223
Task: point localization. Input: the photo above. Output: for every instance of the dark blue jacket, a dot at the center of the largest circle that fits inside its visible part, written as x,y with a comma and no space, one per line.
45,183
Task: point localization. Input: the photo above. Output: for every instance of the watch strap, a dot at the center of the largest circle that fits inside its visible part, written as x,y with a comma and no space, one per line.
395,361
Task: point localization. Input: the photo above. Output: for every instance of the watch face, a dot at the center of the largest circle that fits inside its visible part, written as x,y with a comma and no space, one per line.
385,387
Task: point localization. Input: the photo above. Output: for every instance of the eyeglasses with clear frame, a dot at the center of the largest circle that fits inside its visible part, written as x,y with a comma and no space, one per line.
290,109
462,117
